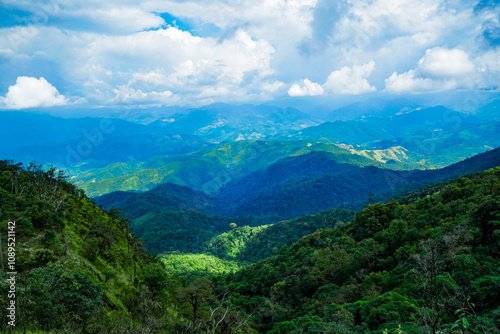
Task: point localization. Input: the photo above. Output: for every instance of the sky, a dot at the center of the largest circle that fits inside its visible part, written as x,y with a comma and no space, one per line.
196,52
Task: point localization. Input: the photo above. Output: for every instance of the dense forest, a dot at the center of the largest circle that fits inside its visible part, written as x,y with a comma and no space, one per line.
81,270
431,266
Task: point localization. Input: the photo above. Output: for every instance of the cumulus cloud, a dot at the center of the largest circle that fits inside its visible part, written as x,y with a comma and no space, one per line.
440,69
308,88
154,77
120,19
408,82
271,87
350,80
31,92
444,63
185,63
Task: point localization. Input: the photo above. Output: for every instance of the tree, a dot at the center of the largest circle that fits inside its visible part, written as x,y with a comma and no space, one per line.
197,294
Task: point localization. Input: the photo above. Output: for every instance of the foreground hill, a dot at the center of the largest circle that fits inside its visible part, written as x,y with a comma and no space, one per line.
427,267
74,261
81,270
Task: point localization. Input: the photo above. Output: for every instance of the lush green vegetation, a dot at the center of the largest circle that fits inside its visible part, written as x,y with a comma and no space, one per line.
189,231
271,240
192,266
429,266
177,218
230,244
81,270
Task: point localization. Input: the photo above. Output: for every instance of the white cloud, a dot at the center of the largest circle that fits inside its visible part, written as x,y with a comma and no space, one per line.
278,21
440,69
271,87
153,77
489,61
408,83
120,19
309,88
185,63
444,63
350,80
31,92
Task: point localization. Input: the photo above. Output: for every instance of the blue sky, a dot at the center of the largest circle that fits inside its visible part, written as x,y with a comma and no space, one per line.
196,52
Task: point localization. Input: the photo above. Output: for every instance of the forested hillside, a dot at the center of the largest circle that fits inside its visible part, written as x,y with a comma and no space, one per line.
209,169
426,266
431,266
81,270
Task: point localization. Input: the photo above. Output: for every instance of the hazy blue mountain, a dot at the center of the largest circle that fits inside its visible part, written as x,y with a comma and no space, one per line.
350,132
490,111
370,108
86,142
435,137
224,122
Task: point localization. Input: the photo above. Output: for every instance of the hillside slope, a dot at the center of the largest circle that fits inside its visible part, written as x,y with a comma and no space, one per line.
81,270
426,267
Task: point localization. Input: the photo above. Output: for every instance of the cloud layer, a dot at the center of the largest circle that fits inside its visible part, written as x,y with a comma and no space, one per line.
198,52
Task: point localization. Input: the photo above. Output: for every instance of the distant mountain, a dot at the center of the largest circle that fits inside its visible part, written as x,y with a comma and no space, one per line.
378,108
350,132
434,137
311,183
86,142
222,122
209,169
444,147
292,187
490,111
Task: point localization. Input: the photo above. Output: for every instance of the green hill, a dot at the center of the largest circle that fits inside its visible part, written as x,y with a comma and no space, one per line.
176,218
428,266
81,270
